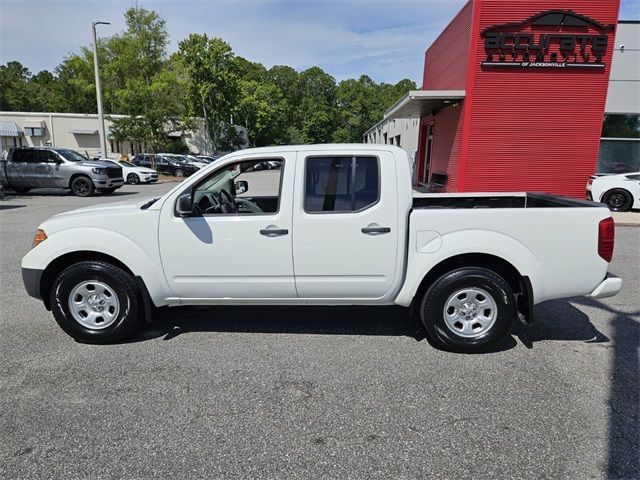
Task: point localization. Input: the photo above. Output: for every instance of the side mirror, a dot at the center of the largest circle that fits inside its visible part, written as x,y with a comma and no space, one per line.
184,205
241,186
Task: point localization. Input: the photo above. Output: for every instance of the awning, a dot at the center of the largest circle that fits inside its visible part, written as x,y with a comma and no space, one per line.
10,129
84,131
418,103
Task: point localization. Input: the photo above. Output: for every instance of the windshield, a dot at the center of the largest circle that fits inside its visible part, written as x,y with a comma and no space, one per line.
126,164
72,155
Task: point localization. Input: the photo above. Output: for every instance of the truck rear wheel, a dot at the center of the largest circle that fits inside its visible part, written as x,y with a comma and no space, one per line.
95,302
469,310
82,186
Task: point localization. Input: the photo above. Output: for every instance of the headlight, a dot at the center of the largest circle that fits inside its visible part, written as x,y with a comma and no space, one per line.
99,171
38,238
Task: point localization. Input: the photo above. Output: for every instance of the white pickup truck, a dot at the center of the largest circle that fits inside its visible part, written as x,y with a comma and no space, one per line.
321,225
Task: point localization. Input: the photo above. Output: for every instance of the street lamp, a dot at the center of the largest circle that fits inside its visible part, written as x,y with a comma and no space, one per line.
103,137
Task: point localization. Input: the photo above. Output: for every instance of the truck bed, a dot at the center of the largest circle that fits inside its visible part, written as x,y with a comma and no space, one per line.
496,200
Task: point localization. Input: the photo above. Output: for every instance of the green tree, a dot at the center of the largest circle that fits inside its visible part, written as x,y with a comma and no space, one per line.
141,82
75,80
14,91
211,81
261,109
318,105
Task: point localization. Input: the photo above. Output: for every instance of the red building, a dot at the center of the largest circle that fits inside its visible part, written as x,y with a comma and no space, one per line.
513,96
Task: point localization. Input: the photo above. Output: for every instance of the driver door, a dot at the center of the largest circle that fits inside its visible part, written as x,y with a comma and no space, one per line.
220,255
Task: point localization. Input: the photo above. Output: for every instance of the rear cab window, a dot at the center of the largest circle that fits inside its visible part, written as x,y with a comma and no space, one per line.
337,184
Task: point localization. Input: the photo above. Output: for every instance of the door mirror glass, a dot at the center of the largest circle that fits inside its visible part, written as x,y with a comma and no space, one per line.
184,205
241,186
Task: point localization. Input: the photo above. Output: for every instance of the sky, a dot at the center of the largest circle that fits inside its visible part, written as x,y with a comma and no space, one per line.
384,39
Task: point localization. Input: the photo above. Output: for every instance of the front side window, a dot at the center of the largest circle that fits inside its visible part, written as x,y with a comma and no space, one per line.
246,187
341,184
72,155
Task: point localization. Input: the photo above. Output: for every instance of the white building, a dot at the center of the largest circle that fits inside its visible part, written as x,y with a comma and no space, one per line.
79,131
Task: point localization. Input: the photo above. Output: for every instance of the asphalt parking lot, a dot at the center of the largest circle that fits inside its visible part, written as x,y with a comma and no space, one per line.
314,392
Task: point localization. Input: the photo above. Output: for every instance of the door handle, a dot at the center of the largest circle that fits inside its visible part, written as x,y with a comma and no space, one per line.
274,232
375,230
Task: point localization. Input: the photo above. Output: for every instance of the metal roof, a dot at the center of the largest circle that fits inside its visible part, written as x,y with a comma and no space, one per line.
83,131
418,103
10,129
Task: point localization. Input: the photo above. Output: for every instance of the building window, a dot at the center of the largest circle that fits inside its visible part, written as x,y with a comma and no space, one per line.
34,131
621,126
618,155
115,146
385,137
398,140
620,144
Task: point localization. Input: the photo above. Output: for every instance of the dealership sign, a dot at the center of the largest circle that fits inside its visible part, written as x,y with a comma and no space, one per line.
555,39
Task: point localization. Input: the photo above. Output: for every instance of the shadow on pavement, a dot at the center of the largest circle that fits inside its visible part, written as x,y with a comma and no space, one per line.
392,321
554,321
624,398
559,320
11,207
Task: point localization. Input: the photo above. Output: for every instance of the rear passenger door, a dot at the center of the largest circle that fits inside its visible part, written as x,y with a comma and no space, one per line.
22,168
345,225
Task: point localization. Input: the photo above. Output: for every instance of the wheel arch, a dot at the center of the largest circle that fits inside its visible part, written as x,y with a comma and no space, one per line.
519,283
609,191
54,268
80,174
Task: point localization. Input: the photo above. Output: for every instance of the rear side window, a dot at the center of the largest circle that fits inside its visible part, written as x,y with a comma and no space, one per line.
341,184
25,156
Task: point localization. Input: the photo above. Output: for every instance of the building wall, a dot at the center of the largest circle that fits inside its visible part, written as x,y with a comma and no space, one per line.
533,129
405,128
445,155
624,84
445,61
58,127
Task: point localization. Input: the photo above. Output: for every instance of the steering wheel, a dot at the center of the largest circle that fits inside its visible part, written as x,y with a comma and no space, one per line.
227,205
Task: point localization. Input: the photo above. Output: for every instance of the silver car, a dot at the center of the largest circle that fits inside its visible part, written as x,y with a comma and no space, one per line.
42,167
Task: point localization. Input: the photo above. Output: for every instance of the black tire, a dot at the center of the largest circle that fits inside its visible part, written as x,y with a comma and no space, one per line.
133,179
618,200
178,172
21,190
107,191
82,186
118,281
441,324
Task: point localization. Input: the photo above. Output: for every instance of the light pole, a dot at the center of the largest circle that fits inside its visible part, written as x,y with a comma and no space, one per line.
103,136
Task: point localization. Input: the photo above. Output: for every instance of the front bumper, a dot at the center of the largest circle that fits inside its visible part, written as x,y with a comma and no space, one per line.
609,287
31,278
105,182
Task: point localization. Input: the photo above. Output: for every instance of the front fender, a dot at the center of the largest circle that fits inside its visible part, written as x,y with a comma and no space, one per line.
144,263
462,242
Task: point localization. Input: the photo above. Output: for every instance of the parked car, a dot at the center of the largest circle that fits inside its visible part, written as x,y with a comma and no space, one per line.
166,164
44,167
208,158
618,192
133,174
342,229
186,158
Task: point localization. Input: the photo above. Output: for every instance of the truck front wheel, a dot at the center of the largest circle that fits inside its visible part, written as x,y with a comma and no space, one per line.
469,310
95,302
82,187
